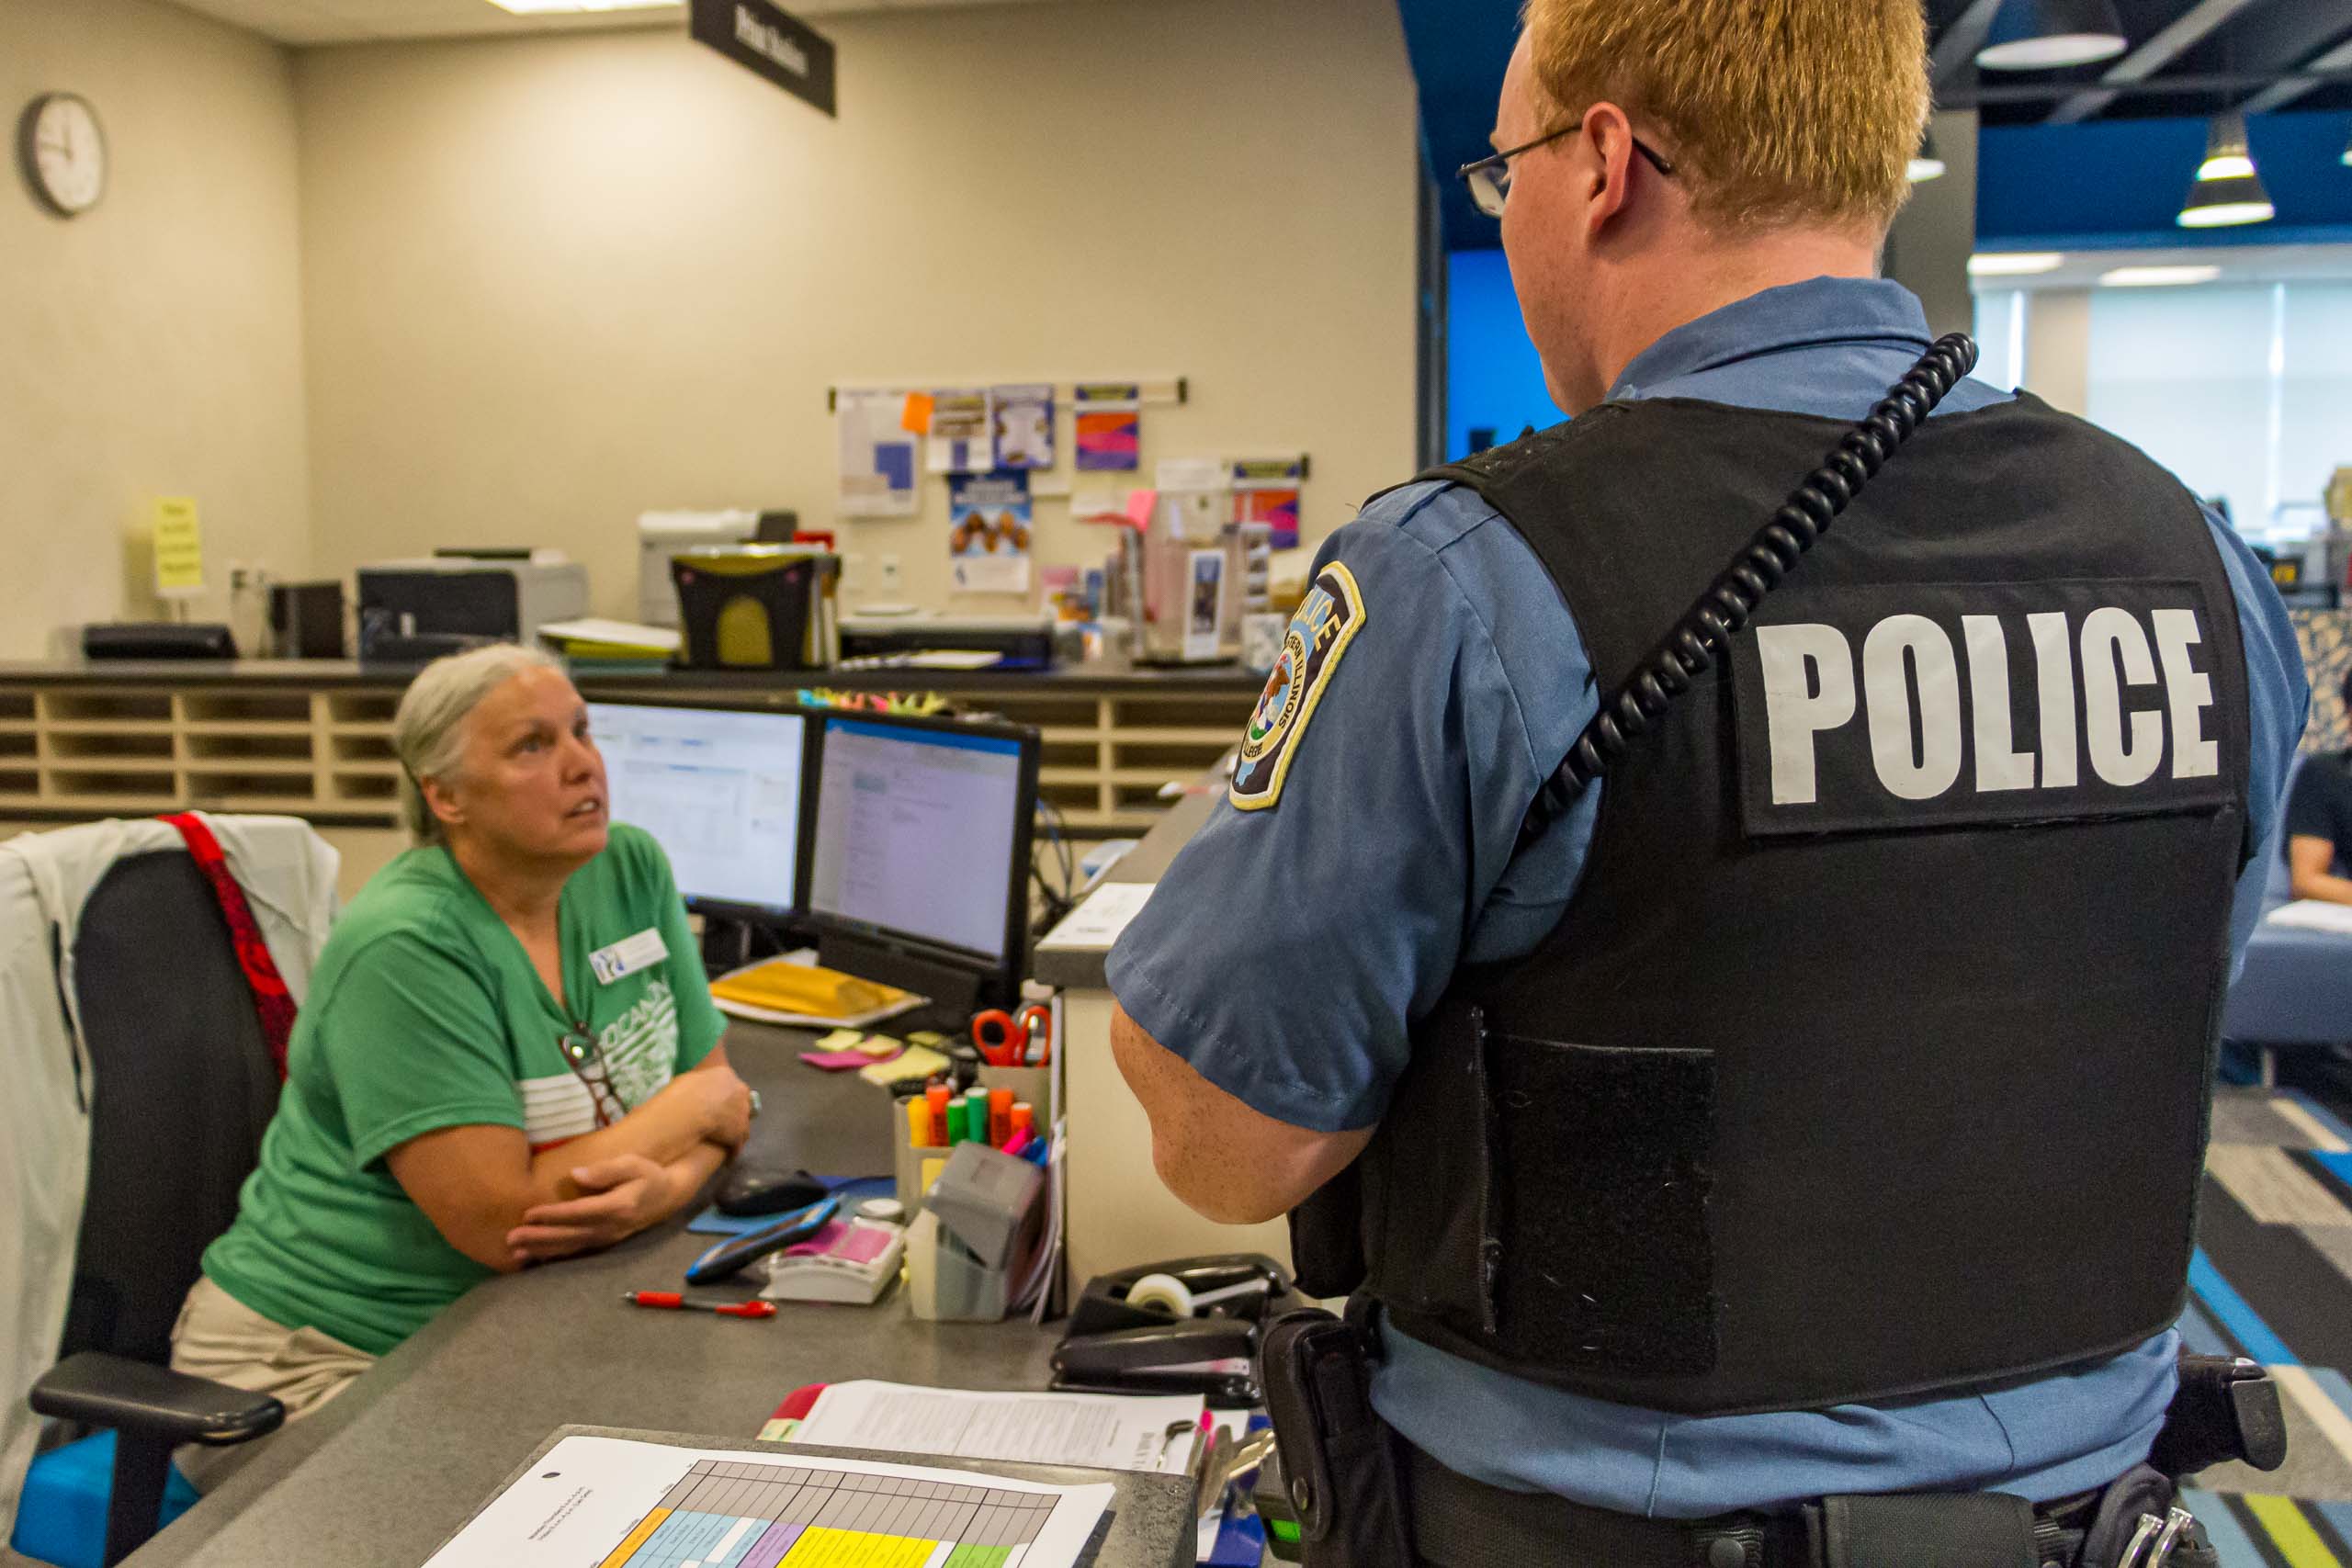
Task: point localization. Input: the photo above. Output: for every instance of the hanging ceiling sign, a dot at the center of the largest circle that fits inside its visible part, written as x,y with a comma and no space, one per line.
761,39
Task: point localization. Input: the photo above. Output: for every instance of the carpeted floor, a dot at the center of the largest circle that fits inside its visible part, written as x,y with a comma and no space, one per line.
2273,1281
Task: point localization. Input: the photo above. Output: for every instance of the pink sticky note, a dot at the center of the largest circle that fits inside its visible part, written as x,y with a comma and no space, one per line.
1141,504
840,1061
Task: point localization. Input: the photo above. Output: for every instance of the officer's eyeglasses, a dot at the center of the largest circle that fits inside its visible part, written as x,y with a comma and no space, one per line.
1489,178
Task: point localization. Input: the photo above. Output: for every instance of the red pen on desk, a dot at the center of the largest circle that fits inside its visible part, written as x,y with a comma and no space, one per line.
670,1301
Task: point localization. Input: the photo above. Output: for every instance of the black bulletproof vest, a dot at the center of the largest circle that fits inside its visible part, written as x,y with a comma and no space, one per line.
1871,1056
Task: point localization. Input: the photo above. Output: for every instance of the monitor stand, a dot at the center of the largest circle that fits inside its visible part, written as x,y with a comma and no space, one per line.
954,992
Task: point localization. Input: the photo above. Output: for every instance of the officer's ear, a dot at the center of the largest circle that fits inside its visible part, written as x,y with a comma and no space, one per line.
1607,155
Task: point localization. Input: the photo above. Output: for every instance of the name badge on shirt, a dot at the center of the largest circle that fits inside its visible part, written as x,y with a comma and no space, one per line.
628,956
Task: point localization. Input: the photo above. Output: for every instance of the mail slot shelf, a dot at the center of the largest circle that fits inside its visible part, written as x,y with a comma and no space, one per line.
89,743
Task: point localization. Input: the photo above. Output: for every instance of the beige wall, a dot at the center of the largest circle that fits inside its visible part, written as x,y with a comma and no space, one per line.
155,343
551,283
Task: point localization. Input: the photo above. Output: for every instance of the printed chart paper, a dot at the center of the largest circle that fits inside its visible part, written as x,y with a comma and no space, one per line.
877,455
615,1503
1105,1431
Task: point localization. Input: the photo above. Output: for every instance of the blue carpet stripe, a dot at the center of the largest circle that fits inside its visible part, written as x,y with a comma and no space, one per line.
2197,1332
2231,1311
2338,1166
2231,1543
2320,1113
2336,1386
2337,1515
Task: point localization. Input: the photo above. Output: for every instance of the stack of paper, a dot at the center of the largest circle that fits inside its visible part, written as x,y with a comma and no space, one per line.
612,648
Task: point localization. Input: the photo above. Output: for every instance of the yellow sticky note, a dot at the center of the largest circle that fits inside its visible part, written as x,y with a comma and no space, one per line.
929,1175
179,547
912,1063
877,1045
841,1040
926,1037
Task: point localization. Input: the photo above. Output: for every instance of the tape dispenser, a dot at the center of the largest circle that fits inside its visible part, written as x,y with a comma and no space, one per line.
1186,1327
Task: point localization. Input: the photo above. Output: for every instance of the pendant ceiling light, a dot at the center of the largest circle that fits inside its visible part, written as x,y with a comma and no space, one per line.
2041,35
2227,192
1925,165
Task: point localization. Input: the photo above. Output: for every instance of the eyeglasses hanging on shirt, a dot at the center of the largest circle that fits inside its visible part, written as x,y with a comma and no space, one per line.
1489,178
586,1060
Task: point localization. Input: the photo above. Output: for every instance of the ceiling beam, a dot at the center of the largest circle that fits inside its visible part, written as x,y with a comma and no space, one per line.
2150,57
1958,46
2280,94
2303,79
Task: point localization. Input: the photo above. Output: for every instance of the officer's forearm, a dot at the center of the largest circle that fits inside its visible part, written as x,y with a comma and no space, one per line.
1225,1161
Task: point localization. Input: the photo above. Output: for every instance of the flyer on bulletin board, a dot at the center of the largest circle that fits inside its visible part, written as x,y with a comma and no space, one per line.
961,441
1024,426
1265,490
989,532
1109,420
877,455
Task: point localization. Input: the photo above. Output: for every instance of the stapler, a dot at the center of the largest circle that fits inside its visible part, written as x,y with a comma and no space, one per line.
1186,1327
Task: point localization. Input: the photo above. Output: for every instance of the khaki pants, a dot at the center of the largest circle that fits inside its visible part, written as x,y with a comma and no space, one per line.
218,1336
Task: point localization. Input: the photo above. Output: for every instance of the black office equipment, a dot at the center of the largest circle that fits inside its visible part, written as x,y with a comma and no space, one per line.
749,1191
728,1258
157,639
918,860
185,1085
755,606
1190,1326
306,620
425,608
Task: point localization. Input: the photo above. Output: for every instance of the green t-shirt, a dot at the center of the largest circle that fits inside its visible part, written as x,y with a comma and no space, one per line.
426,1013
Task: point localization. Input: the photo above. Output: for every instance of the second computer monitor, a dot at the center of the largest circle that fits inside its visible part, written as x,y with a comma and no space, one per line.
720,791
920,839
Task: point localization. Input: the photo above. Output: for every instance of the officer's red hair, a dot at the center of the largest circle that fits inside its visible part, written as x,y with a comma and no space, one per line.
1775,112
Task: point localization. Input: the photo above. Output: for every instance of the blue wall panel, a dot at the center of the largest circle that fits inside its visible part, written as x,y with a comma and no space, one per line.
2115,184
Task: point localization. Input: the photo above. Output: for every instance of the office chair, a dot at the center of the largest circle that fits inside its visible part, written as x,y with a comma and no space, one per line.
184,1089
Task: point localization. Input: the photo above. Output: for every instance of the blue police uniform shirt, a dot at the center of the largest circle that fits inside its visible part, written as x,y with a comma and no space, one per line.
1388,861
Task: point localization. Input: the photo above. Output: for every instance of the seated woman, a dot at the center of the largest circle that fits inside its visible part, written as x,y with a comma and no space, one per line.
508,1053
2319,824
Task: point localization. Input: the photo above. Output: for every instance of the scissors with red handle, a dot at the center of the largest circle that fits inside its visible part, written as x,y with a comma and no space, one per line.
1006,1039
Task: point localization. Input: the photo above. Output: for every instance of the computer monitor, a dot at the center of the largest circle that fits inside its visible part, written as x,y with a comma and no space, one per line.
919,853
721,789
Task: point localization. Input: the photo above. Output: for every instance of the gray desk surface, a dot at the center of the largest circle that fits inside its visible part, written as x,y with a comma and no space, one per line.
1083,971
390,1469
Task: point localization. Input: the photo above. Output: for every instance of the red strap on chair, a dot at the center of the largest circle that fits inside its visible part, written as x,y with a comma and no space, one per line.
272,1001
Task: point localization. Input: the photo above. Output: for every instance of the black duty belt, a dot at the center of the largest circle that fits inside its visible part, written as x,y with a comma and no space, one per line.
1460,1523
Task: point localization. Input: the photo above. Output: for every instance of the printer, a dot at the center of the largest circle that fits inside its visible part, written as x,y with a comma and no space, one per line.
416,610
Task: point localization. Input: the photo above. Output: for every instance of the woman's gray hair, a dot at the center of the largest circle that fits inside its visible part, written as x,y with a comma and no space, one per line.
428,732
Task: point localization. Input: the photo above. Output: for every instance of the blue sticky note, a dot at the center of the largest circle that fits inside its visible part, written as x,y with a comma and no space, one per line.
895,461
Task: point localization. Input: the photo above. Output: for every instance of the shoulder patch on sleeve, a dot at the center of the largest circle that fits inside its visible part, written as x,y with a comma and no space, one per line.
1328,620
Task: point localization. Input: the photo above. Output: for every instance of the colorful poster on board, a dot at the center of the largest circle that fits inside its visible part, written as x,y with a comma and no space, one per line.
988,532
1024,426
961,442
1109,421
877,455
1265,490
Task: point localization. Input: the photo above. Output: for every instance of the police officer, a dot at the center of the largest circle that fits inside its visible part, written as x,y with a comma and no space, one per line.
1812,1107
